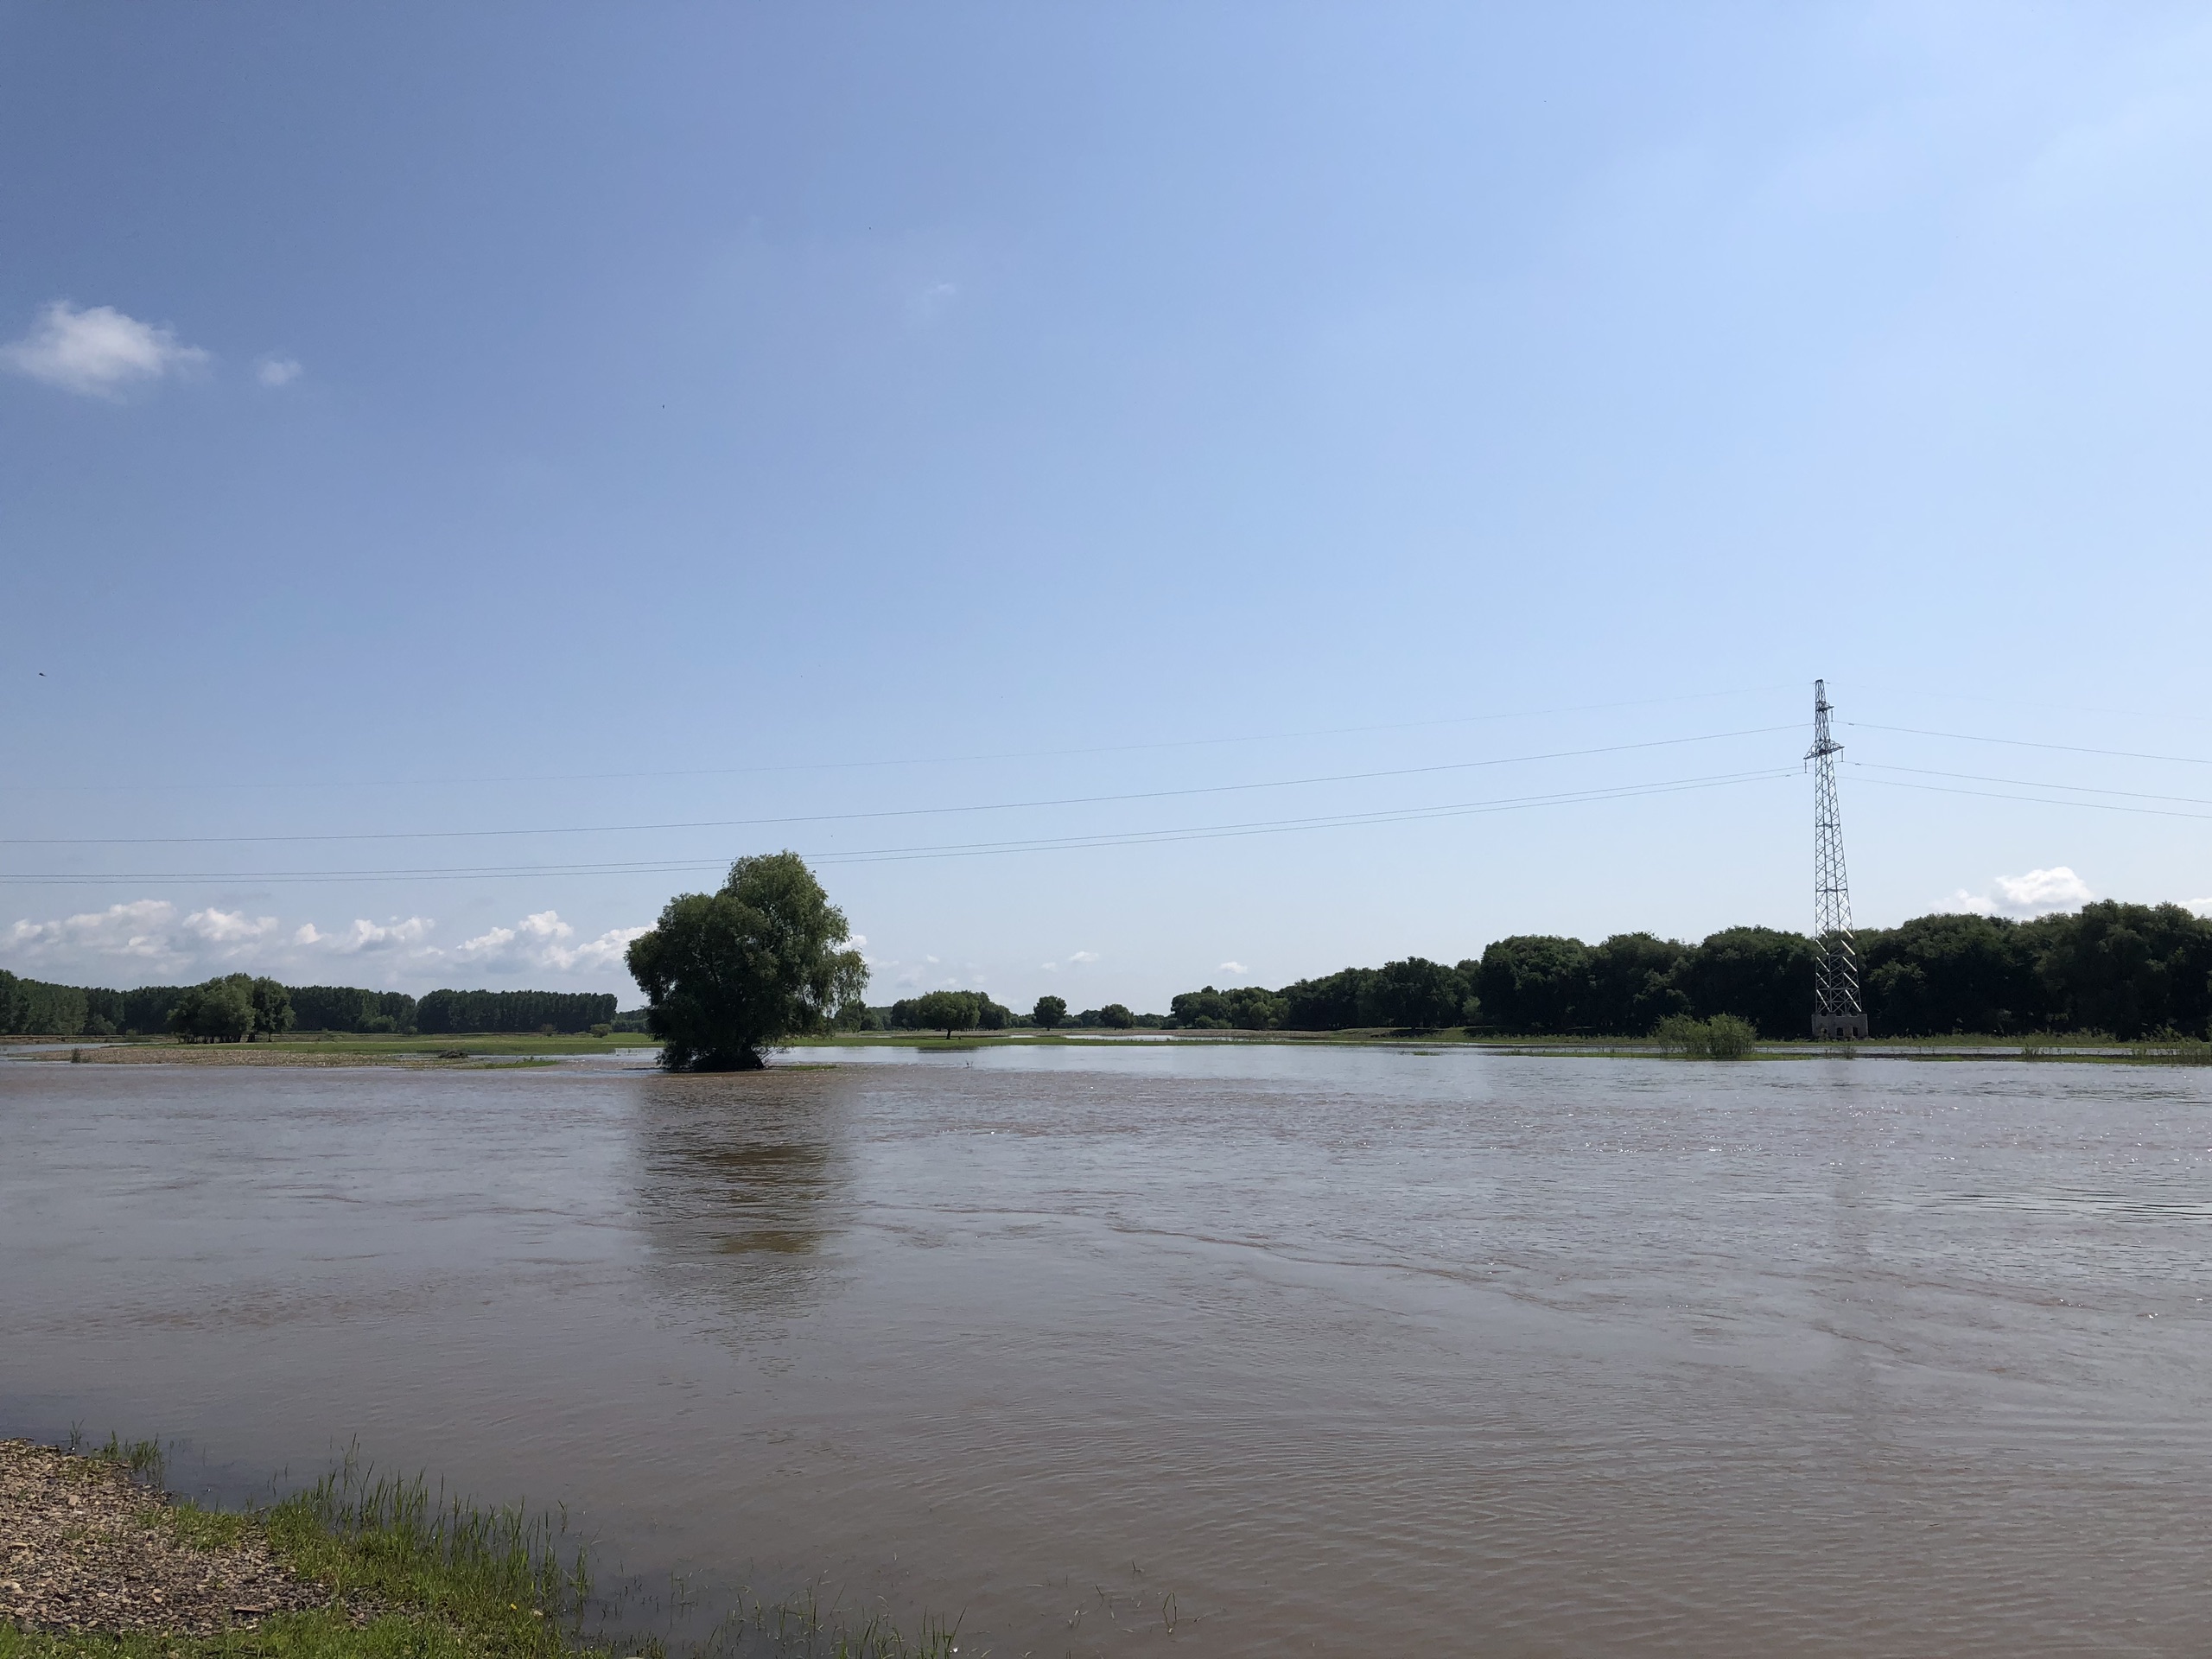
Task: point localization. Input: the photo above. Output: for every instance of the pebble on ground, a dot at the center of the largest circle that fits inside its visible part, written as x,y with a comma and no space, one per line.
84,1548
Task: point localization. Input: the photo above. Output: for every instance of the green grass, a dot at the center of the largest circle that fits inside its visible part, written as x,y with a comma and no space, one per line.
324,1634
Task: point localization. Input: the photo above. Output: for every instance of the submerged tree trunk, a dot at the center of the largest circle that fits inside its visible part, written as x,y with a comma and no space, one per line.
743,1060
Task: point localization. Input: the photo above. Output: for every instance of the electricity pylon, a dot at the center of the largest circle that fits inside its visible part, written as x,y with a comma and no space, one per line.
1836,1014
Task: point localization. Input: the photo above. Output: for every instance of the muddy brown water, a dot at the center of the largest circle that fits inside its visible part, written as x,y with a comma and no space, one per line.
1345,1351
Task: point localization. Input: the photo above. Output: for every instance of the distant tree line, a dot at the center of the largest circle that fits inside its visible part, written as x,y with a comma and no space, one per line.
344,1007
210,1011
2130,971
954,1011
33,1008
458,1011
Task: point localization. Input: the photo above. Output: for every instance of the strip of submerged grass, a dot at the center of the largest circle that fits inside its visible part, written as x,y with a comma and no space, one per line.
408,1573
412,1574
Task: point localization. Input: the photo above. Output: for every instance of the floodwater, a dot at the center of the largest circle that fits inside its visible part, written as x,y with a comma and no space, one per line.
1345,1351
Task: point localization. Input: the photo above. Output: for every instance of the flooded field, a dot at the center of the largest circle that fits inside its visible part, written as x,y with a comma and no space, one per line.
1333,1351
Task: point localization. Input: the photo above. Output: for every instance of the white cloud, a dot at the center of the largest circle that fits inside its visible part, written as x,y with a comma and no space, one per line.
927,304
365,935
98,352
541,941
278,371
136,932
140,939
1236,968
1083,955
229,927
152,941
2032,894
610,950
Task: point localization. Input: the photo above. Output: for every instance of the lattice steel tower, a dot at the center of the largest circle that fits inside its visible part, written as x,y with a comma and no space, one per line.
1836,1014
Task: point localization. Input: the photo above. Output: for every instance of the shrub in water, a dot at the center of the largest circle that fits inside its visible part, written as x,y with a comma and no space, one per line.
1724,1036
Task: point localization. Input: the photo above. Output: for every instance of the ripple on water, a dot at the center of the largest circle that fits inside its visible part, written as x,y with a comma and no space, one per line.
1355,1350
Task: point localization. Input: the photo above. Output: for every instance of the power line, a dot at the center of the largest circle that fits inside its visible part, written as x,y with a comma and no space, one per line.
898,812
1408,815
2009,702
2039,800
2024,743
2029,783
1205,832
906,761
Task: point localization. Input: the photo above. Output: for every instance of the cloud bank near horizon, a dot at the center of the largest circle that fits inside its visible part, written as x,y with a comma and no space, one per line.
2036,893
154,941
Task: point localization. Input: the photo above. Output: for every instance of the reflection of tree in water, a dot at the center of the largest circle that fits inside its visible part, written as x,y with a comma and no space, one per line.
741,1183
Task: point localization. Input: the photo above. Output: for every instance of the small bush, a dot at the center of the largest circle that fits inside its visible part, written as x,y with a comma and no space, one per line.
1724,1036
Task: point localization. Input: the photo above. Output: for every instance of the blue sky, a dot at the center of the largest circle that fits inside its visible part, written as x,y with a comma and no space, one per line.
504,431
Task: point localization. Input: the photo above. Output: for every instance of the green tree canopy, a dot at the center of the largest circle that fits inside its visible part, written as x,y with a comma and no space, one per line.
2130,969
1758,974
272,1007
1330,1003
220,1011
1950,973
1633,983
1244,1008
727,974
948,1011
1050,1011
1535,983
1417,993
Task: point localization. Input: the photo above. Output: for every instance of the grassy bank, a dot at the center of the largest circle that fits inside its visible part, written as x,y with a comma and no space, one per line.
503,1048
360,1566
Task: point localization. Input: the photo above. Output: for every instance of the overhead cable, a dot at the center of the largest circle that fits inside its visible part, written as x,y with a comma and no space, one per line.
907,760
2025,743
2029,783
2038,800
836,855
889,813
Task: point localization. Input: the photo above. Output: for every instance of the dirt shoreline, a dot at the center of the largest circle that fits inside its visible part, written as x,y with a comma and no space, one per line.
85,1549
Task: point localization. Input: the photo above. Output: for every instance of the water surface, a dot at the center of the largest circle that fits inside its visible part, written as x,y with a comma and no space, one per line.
1346,1350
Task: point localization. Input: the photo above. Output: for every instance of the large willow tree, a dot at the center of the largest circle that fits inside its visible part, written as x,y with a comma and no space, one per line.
730,973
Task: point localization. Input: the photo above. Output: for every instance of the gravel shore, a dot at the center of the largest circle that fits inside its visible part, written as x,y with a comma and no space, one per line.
84,1548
